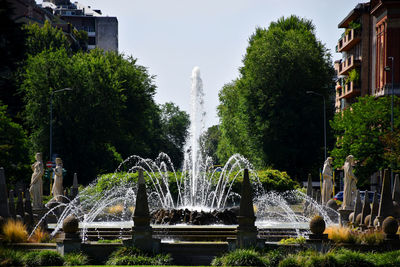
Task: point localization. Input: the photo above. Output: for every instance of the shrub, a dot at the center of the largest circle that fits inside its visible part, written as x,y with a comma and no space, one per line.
340,234
50,258
40,236
240,257
391,258
290,261
371,238
291,241
75,259
348,258
9,257
14,231
133,256
108,241
273,257
32,258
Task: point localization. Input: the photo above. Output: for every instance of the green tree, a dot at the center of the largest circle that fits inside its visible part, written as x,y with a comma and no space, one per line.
362,131
109,115
266,114
175,124
14,151
45,37
209,141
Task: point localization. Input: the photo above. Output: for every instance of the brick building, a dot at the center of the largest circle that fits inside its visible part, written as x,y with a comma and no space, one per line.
370,40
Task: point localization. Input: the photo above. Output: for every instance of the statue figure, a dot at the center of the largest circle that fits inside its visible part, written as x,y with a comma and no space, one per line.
57,189
350,182
36,186
327,184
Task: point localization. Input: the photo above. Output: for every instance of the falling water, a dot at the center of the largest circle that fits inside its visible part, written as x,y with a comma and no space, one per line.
194,164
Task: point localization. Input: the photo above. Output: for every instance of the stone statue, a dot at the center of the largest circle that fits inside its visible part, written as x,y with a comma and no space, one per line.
327,184
57,189
36,186
350,182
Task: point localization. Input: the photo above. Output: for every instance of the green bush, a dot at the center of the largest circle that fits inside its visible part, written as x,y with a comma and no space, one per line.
347,258
50,258
75,259
9,257
32,258
271,180
133,256
290,261
240,257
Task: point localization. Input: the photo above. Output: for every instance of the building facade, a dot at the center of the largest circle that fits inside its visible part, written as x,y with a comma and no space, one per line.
371,40
102,30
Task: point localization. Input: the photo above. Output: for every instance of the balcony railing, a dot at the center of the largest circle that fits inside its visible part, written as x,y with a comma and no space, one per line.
349,40
350,90
347,64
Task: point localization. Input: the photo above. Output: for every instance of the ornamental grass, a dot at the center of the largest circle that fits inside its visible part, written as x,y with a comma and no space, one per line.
14,231
40,236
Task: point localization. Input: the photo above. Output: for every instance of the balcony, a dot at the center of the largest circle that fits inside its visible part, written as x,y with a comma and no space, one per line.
349,40
350,90
347,64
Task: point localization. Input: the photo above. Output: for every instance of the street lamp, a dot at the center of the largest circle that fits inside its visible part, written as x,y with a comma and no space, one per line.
314,93
391,114
51,117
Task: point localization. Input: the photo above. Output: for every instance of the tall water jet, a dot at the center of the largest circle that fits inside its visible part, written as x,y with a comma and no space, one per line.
193,156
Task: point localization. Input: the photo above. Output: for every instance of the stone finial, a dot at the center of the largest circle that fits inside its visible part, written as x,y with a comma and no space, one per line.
366,209
75,186
374,209
396,189
70,224
246,233
11,203
246,201
357,207
309,186
142,206
386,203
142,232
4,206
317,225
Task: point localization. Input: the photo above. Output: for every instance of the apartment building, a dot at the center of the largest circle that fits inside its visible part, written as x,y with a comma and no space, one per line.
102,30
370,39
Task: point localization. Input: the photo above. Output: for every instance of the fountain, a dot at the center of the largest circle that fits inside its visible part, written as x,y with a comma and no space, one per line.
197,187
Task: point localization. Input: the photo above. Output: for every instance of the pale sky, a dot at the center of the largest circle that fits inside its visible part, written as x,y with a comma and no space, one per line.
170,37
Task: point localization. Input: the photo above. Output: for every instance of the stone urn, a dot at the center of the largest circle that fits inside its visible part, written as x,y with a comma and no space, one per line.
317,228
70,224
390,226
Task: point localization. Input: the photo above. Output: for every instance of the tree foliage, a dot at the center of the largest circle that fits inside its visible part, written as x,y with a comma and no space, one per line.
46,37
14,151
266,114
209,142
363,131
174,124
109,115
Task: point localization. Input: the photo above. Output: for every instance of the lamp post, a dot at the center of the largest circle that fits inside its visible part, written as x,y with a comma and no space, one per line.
391,114
323,97
51,118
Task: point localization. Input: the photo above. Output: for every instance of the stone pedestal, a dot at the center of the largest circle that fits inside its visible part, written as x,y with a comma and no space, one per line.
318,237
68,243
344,216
